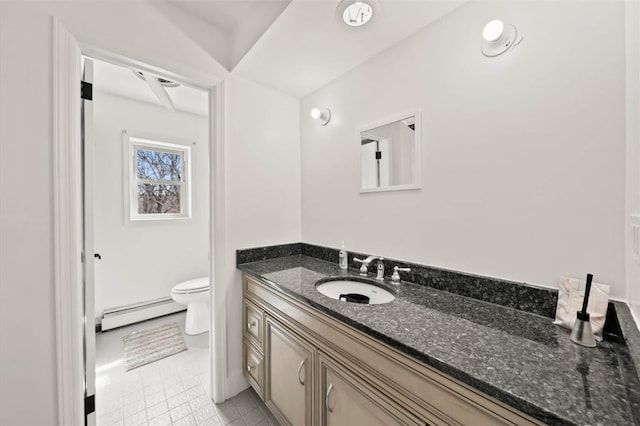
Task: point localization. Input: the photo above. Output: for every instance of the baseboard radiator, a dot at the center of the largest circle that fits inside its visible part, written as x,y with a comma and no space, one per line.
130,314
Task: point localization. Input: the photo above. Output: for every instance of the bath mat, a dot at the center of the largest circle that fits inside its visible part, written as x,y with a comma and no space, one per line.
146,346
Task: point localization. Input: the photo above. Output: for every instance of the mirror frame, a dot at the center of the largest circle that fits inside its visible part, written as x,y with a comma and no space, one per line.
417,159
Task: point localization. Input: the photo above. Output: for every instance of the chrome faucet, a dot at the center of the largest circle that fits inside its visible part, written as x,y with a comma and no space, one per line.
364,269
395,277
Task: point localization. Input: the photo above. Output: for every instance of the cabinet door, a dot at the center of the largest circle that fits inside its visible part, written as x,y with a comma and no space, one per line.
289,364
347,400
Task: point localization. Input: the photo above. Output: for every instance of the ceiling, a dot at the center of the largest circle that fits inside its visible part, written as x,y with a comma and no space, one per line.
224,14
237,24
294,46
307,46
121,81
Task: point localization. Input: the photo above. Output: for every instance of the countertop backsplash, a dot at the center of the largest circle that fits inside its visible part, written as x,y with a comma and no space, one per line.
521,296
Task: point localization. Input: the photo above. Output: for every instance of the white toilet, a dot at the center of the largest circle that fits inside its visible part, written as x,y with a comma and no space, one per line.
195,295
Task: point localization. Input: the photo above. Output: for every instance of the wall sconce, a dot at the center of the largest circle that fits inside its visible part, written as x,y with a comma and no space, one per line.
323,115
498,38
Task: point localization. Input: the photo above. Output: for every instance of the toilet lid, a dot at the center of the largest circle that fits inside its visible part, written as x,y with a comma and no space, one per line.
192,286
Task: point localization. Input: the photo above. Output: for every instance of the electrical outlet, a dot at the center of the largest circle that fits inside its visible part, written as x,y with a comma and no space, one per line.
635,237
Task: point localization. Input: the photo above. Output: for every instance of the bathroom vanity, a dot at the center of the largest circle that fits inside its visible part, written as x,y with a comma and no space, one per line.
427,357
310,368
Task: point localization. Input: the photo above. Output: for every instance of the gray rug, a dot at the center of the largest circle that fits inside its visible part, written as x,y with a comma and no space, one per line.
146,346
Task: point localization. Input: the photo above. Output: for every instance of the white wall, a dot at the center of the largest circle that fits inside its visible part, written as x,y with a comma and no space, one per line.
523,154
27,312
142,261
27,352
263,184
632,14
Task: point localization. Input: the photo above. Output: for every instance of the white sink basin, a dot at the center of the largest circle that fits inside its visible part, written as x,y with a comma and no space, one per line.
355,291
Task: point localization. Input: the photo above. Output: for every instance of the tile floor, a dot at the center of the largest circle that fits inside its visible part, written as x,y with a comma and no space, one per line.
171,391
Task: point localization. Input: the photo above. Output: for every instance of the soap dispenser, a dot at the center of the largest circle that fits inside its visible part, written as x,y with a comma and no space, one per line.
343,257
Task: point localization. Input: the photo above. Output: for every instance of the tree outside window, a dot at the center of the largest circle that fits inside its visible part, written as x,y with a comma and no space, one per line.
159,185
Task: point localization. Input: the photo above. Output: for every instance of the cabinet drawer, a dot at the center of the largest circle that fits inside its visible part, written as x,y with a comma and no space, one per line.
253,367
253,321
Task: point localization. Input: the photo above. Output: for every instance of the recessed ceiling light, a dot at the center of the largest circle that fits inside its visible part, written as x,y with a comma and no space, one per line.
355,13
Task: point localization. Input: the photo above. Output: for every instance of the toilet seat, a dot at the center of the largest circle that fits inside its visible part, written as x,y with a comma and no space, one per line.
197,285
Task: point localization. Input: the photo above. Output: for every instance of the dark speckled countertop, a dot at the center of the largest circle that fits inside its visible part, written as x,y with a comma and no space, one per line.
517,357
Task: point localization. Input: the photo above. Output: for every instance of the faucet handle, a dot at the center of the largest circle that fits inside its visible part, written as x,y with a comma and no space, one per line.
395,277
363,269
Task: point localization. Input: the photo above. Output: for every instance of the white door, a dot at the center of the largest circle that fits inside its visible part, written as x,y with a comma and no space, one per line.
88,250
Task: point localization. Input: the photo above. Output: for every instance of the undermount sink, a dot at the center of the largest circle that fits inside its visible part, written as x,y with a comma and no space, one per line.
354,290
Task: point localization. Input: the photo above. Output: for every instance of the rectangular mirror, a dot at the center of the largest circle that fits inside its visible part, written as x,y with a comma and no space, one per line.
390,154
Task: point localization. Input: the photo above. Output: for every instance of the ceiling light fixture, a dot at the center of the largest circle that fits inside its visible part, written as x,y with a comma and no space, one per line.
355,13
323,115
498,38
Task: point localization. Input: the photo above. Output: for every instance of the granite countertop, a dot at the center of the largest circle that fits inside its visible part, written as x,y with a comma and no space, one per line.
519,358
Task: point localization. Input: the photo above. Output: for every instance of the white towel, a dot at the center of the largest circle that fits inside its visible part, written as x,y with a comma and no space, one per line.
570,300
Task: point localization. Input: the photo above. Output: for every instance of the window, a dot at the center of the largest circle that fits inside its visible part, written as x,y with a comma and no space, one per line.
159,180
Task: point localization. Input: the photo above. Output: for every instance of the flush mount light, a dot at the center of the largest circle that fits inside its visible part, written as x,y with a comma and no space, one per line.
355,13
493,30
498,38
323,115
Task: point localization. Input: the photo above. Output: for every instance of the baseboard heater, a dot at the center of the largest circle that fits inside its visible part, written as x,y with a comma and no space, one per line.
130,314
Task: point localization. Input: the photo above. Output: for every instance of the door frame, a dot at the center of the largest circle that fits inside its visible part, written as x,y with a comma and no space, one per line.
67,219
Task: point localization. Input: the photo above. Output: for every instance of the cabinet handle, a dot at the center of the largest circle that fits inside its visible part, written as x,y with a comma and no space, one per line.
300,368
250,367
251,324
326,398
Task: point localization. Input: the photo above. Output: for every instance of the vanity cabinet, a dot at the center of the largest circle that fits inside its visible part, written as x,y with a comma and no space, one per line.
289,379
311,369
349,401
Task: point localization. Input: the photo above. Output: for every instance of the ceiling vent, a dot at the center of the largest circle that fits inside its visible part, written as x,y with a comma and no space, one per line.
163,81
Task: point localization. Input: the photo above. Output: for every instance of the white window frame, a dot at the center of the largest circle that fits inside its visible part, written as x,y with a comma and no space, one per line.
132,143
